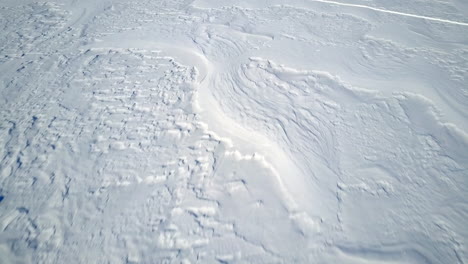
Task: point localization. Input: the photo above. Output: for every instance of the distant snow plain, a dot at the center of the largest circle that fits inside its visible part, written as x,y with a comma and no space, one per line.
215,131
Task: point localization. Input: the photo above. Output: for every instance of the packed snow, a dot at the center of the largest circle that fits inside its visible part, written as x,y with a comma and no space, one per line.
215,131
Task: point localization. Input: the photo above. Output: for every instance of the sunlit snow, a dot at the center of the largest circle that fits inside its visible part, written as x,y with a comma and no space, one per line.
243,131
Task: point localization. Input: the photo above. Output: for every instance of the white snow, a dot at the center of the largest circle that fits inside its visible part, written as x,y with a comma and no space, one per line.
215,131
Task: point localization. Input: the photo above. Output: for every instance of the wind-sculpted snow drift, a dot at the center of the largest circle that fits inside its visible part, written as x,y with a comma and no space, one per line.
233,132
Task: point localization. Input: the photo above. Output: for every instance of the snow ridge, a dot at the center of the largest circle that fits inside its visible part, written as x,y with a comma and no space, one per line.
232,132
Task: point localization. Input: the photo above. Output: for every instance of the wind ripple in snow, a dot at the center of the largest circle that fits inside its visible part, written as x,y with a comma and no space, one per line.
164,131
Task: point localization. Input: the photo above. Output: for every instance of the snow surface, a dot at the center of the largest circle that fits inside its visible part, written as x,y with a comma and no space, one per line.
215,131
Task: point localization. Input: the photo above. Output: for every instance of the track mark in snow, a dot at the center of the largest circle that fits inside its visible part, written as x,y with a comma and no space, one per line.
435,19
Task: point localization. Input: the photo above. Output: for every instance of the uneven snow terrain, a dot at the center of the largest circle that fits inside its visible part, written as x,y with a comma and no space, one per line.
215,131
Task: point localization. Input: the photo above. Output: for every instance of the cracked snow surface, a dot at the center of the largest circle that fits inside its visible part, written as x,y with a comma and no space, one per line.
215,131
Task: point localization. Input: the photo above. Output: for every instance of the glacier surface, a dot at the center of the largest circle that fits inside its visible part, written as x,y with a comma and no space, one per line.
215,131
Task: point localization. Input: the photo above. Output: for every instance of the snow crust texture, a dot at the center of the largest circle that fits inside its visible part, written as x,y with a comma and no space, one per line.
234,131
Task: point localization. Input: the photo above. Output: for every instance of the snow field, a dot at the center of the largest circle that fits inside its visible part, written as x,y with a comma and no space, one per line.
233,132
